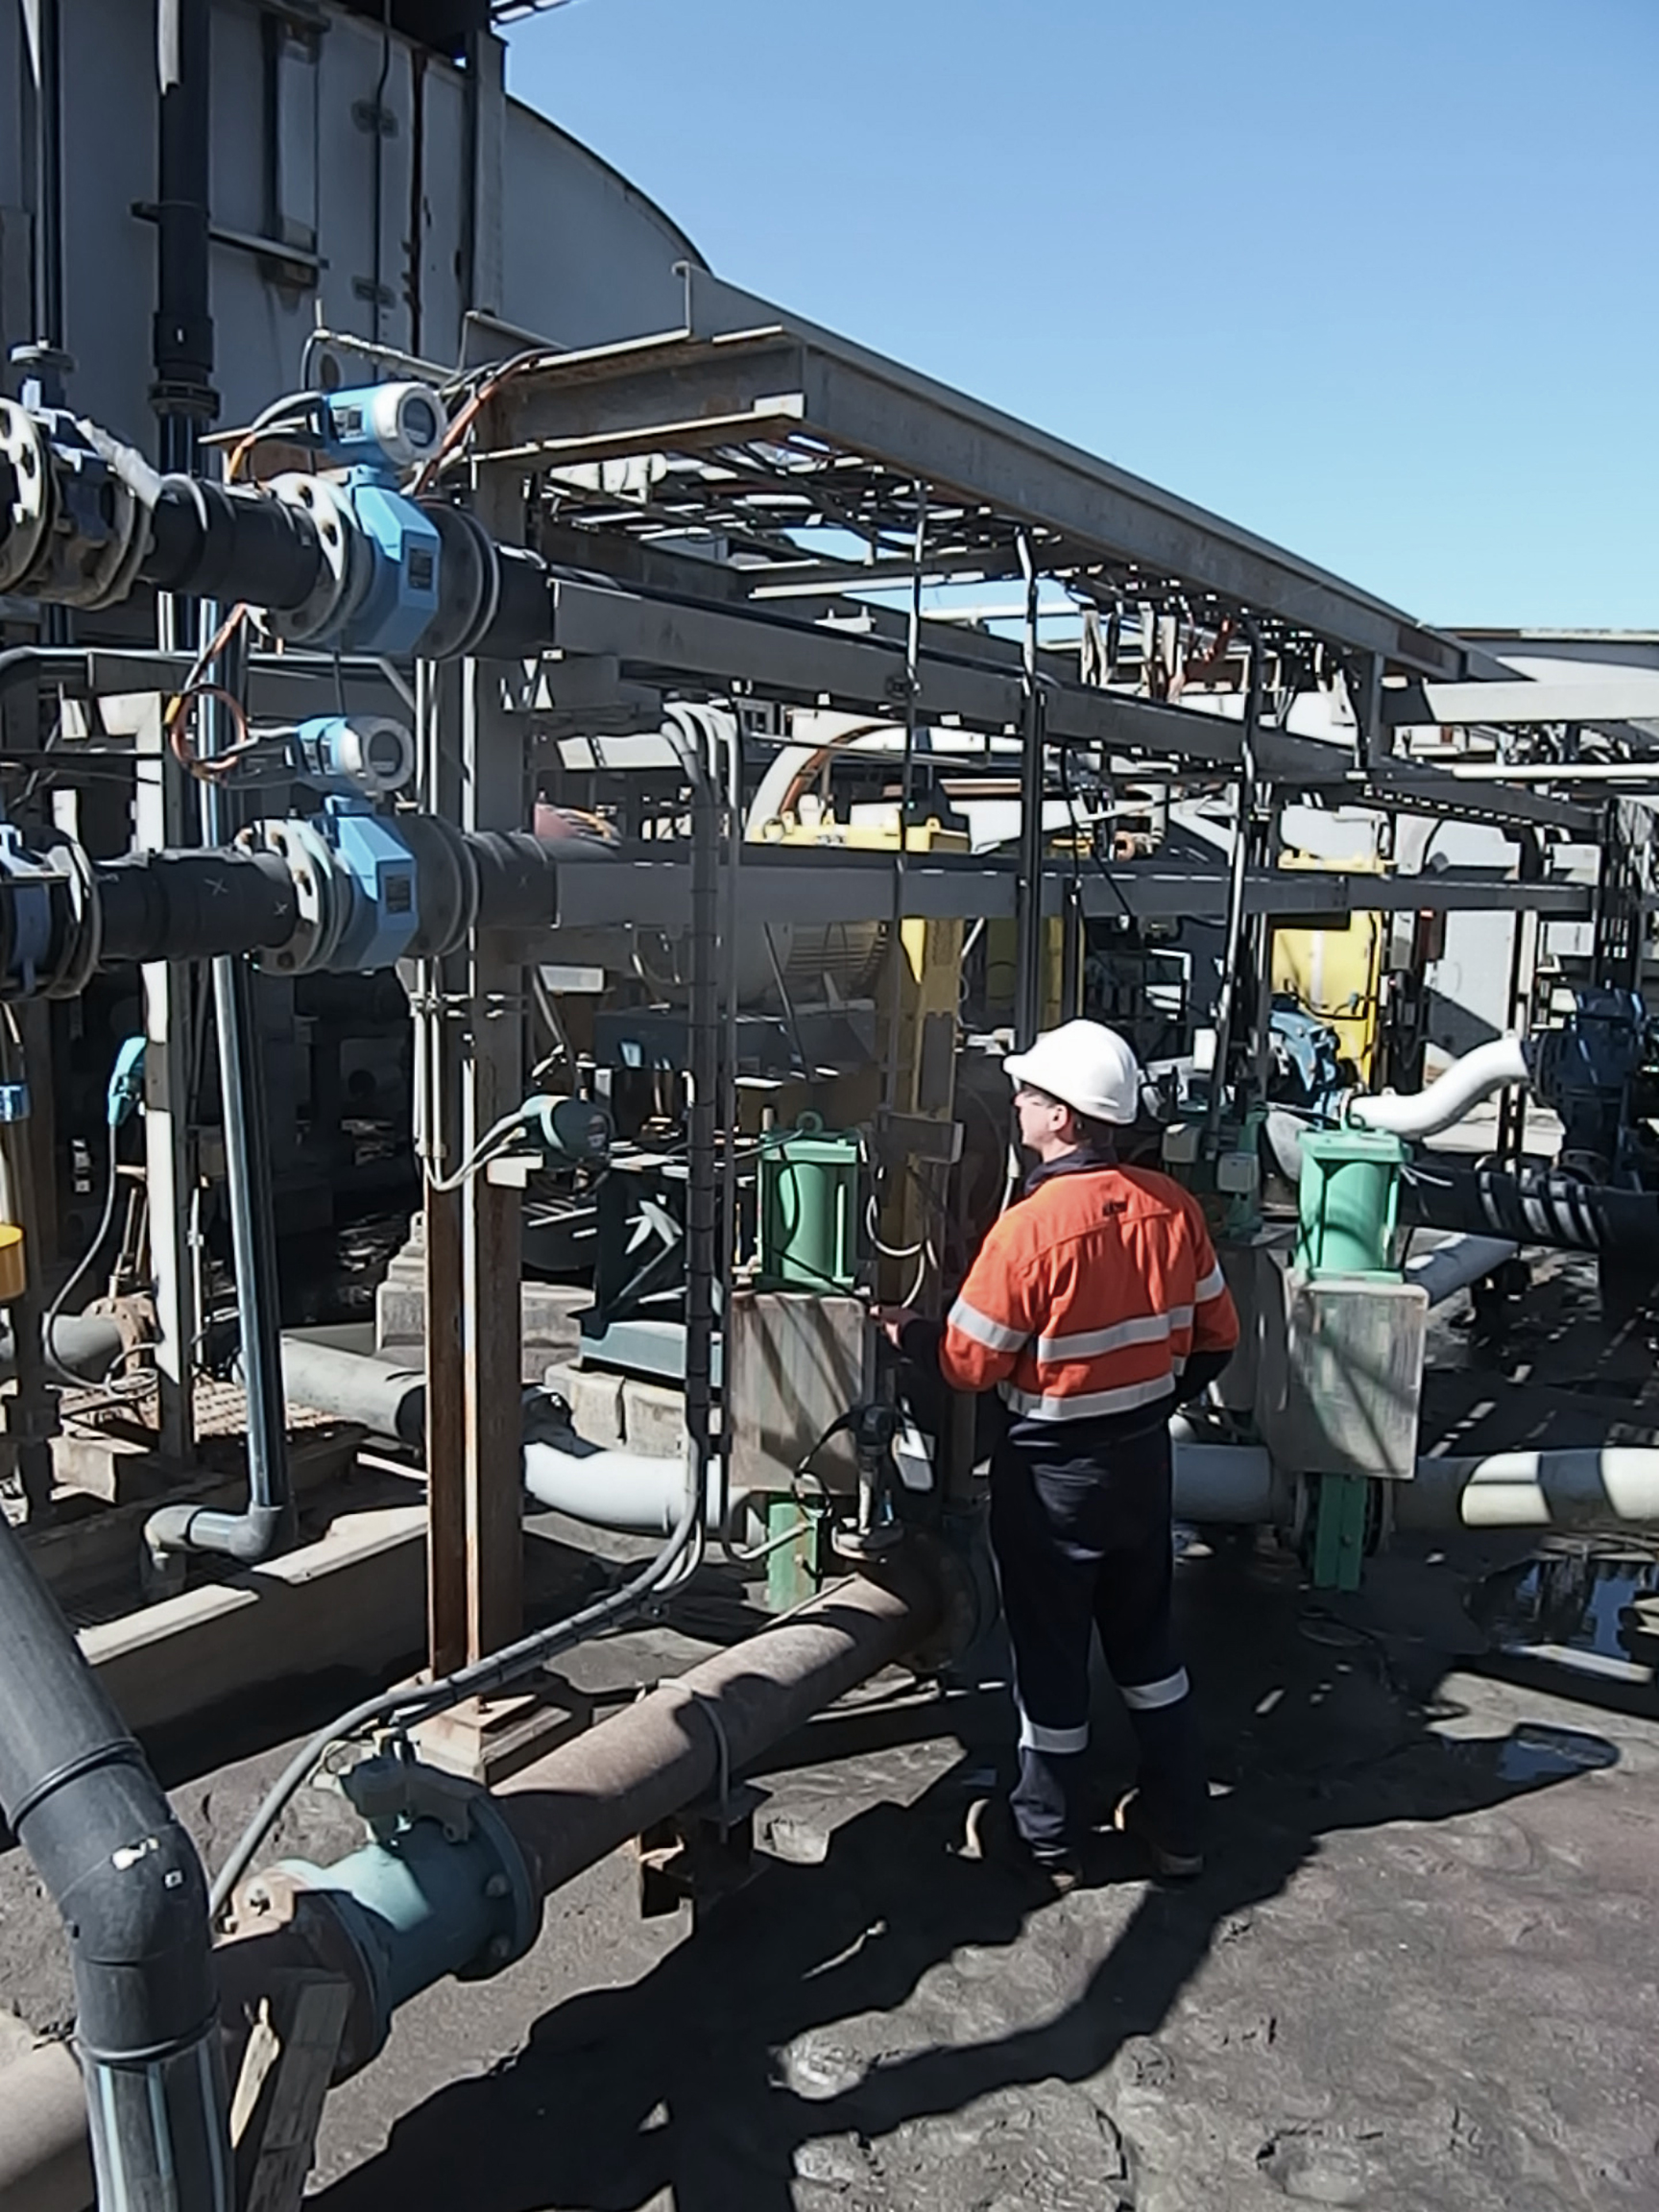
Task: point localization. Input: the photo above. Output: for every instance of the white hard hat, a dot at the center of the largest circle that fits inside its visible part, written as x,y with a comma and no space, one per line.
1086,1066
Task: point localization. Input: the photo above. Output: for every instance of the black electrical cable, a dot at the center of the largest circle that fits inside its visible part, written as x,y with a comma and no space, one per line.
404,1705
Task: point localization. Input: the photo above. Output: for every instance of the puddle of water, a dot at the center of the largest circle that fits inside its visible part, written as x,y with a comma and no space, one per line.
1537,1754
1587,1609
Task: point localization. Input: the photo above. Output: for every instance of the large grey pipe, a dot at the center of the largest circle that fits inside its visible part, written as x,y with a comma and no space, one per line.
88,1344
1458,1264
76,1790
385,1399
1532,1490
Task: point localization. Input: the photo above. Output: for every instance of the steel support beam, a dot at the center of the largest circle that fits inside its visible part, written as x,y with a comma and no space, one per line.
744,370
847,886
1596,701
472,1047
979,687
162,820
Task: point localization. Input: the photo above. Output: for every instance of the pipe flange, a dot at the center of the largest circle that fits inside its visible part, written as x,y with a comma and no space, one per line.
521,1901
341,574
286,1897
84,948
107,580
28,509
321,914
448,873
470,579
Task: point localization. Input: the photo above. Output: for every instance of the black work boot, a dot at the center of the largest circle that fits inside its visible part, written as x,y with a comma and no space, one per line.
1168,1864
991,1838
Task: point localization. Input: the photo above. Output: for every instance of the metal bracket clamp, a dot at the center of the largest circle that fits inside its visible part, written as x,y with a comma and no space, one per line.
26,482
83,938
471,573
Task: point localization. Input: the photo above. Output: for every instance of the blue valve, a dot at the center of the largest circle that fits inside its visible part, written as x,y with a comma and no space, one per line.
125,1095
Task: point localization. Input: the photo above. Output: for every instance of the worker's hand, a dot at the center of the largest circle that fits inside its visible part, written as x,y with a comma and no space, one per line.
893,1321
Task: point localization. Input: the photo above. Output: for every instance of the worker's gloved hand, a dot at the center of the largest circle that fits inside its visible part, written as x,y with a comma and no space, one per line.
893,1321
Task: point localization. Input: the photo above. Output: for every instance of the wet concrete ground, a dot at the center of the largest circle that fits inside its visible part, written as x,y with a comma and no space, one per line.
1416,1977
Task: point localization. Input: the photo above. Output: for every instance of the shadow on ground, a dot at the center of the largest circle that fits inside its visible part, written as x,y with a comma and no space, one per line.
889,2026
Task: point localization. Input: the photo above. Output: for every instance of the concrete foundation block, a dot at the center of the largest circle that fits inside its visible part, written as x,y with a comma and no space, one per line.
653,1418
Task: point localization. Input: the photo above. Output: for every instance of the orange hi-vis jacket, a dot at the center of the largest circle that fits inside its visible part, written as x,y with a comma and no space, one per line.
1088,1296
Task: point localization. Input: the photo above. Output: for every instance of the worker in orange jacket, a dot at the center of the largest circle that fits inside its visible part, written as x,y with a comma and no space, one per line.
1096,1306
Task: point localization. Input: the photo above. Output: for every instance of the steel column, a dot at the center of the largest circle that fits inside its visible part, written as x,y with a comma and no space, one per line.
161,821
474,1036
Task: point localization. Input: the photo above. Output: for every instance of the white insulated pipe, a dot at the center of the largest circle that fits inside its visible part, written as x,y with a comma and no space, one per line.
1532,1490
1454,1265
635,1493
1465,1083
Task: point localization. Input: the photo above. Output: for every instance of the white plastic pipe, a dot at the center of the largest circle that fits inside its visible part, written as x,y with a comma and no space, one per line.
1454,1265
634,1493
1465,1083
1532,1490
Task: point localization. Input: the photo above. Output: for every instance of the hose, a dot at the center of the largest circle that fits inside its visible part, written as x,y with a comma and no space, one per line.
405,1707
124,1876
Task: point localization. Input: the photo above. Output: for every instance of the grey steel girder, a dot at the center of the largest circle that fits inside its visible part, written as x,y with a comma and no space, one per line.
808,663
847,886
743,370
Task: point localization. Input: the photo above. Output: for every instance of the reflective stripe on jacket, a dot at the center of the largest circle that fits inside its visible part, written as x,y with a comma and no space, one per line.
1088,1296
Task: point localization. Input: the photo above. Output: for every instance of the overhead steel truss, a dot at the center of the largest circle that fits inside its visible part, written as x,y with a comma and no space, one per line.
805,464
763,425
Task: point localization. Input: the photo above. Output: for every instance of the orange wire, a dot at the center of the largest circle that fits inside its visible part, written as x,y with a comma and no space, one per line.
176,720
462,422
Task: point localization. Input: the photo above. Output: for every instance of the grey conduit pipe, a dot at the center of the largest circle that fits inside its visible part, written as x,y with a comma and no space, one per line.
689,736
1462,1087
1534,1207
257,1531
76,1790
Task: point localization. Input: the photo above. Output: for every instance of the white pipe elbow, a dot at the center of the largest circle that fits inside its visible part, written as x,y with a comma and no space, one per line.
1465,1083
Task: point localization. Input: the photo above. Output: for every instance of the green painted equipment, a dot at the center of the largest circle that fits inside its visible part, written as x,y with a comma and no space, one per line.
809,1210
1350,1202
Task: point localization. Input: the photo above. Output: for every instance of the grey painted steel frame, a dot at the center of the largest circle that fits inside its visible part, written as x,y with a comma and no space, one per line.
668,639
741,365
819,889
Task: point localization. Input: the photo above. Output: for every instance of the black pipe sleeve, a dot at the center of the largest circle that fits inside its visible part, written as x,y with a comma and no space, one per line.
124,1874
230,542
193,904
517,880
1533,1207
521,623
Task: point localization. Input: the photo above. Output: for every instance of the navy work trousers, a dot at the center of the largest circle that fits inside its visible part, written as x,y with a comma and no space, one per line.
1081,1529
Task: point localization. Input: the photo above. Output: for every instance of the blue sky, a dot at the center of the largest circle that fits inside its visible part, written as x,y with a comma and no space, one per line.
1379,278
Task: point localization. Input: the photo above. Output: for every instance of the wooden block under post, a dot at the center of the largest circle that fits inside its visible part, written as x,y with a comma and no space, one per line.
287,2069
488,1738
